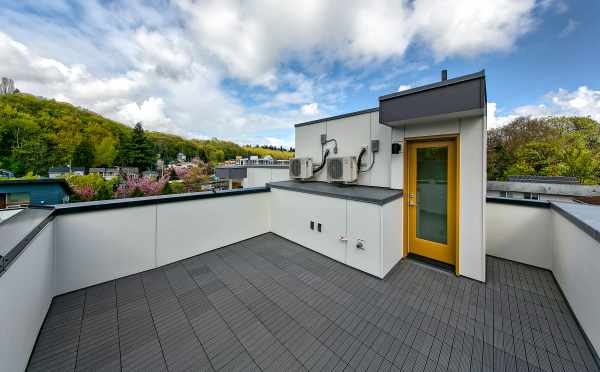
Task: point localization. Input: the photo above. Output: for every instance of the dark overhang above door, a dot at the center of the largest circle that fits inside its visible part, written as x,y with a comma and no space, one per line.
461,97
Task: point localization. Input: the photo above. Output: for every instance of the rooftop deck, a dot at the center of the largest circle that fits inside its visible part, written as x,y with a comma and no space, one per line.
269,304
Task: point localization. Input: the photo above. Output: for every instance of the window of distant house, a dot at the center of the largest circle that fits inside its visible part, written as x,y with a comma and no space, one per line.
17,199
531,196
506,194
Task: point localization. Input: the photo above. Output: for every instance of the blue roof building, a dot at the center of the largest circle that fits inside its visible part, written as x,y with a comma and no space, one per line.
20,193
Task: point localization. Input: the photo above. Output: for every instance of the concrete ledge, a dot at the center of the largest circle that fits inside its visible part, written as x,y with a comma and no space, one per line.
367,194
586,217
18,231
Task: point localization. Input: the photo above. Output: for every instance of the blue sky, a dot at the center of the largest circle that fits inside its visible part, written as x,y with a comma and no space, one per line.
247,71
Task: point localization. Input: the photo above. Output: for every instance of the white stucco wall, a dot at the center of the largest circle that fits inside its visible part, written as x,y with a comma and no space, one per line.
185,229
576,265
350,133
355,131
379,228
520,233
94,247
26,290
260,176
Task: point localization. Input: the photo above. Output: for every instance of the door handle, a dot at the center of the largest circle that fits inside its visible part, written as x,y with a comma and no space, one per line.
411,200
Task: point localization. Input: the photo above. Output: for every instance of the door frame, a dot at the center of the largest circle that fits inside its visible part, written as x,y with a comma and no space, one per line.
406,182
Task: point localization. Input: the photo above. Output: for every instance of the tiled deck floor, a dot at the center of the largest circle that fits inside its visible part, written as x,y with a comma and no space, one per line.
268,304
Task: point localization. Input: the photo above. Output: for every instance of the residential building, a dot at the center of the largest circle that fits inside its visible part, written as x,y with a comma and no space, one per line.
150,173
253,175
181,157
564,189
110,173
61,172
382,252
21,193
6,174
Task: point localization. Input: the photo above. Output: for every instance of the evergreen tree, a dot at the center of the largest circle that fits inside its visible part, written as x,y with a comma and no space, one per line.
139,151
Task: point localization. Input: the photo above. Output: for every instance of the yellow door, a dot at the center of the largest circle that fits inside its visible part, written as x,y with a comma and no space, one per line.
432,199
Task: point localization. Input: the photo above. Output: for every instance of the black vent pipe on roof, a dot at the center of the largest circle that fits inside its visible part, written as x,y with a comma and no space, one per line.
444,75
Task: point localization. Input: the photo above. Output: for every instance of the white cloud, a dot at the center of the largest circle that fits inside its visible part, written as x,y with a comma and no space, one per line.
582,101
171,65
310,109
150,112
404,87
252,39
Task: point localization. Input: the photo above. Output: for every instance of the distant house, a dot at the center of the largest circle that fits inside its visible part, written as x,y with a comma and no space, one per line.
181,157
106,173
61,172
129,172
150,173
542,188
21,193
110,173
6,174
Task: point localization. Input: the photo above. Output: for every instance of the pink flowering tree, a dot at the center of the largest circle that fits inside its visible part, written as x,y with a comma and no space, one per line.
143,186
84,192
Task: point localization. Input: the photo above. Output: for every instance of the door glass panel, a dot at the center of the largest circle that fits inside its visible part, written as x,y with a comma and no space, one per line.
432,194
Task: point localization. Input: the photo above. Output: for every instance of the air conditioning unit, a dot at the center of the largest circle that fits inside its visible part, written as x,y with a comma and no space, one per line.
301,168
343,169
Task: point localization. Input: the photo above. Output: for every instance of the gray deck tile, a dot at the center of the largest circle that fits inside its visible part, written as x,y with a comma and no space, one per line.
269,304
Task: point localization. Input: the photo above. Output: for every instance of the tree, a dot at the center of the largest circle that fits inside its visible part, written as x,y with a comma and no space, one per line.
83,156
105,153
557,146
139,150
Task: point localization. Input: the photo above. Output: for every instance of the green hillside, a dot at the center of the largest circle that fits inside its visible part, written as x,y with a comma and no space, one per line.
38,133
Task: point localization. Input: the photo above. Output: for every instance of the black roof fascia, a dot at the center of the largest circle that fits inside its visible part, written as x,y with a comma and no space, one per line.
342,116
464,95
439,84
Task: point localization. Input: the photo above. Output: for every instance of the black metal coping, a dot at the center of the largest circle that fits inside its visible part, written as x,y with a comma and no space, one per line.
586,217
17,231
367,194
523,202
150,200
342,116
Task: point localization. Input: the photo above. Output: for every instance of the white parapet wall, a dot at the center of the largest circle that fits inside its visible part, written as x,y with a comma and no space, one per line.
26,290
540,234
258,176
97,246
520,233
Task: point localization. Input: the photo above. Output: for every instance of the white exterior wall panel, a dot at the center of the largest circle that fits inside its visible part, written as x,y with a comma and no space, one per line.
94,247
391,235
351,134
380,174
576,266
519,233
186,229
291,215
26,290
472,198
364,225
308,145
